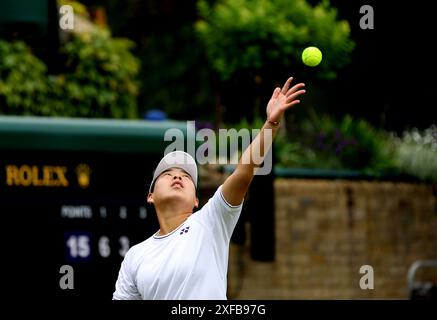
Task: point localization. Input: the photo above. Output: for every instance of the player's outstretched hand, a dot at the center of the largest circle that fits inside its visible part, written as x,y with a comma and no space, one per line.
282,99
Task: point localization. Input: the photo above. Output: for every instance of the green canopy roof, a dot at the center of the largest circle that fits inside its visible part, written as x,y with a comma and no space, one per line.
68,134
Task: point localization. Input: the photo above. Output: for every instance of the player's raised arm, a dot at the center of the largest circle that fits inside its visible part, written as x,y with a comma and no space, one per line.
236,185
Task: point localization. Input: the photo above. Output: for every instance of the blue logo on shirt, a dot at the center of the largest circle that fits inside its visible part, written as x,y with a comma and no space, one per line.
184,230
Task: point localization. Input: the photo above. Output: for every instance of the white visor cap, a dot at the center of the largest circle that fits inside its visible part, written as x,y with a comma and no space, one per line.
176,159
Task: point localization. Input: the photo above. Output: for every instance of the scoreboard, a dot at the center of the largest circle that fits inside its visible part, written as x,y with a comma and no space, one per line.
73,194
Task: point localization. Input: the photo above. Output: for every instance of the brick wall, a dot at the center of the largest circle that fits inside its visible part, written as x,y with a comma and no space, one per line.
327,229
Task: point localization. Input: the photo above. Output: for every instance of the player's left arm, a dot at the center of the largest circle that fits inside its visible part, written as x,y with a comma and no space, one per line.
236,185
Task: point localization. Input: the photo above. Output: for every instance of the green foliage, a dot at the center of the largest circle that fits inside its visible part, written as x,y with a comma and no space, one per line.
416,153
23,82
346,144
99,79
326,143
78,8
353,144
266,36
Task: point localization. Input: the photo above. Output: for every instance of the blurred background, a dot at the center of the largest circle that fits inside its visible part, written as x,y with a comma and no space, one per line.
87,92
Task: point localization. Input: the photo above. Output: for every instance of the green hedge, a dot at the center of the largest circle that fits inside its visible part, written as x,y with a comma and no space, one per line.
99,79
353,148
267,36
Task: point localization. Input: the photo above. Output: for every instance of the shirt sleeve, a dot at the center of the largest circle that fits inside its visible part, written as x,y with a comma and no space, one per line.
125,287
220,216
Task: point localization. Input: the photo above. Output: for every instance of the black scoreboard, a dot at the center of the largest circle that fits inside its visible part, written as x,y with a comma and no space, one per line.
73,201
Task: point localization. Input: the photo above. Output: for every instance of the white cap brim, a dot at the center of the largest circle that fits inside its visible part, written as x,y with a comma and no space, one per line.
176,159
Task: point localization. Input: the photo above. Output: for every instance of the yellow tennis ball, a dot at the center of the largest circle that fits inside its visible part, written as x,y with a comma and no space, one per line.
312,56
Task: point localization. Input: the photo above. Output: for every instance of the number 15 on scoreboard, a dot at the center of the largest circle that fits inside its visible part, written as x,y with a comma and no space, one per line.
78,246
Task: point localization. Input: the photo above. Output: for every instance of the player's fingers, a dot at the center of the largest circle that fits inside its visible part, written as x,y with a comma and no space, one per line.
294,95
286,85
292,103
276,92
295,88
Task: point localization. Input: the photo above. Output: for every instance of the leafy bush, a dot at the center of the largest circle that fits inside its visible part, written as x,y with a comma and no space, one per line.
326,143
345,144
260,36
416,153
323,142
23,81
99,79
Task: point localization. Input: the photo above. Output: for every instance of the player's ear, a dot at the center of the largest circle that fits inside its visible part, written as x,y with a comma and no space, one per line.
196,203
150,198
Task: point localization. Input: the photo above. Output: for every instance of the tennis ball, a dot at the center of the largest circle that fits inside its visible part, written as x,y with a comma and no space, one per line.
312,56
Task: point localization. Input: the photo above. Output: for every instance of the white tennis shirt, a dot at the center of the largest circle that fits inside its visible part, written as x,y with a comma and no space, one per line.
191,262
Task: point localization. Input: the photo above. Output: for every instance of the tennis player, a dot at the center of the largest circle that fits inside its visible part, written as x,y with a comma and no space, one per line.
187,258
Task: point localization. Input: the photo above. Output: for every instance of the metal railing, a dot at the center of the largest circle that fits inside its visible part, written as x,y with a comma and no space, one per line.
421,290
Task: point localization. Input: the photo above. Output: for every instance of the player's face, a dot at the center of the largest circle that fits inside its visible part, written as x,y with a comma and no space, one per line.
176,178
175,182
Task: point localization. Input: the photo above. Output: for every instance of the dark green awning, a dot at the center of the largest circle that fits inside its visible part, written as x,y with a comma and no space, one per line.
41,133
24,11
